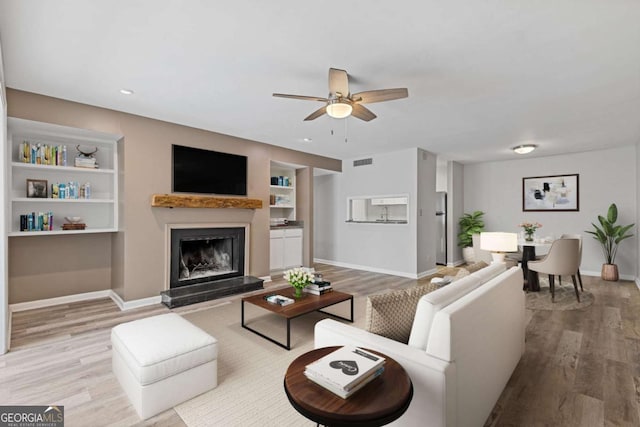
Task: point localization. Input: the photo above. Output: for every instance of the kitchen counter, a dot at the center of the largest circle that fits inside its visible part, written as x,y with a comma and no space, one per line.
380,221
278,227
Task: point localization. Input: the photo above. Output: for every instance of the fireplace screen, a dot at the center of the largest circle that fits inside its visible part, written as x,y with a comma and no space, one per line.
205,255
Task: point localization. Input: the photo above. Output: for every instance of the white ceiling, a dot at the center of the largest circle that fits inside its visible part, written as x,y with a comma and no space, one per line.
483,76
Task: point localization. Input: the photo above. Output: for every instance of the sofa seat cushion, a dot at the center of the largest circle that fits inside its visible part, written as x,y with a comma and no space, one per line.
159,347
391,314
430,304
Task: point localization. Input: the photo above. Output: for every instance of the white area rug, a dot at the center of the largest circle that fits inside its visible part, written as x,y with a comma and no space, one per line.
251,369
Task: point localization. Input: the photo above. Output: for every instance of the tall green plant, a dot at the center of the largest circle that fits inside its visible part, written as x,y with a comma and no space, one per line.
470,224
610,235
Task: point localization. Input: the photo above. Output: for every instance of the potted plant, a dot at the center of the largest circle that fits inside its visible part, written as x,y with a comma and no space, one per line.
298,278
470,224
610,235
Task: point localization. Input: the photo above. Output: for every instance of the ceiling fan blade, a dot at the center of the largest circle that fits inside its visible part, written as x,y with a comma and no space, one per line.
362,113
304,98
316,114
338,82
381,95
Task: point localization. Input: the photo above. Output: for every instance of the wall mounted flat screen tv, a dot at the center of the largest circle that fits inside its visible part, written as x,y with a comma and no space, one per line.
208,172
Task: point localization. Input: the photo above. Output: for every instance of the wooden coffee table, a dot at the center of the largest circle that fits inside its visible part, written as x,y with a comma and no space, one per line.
305,305
378,403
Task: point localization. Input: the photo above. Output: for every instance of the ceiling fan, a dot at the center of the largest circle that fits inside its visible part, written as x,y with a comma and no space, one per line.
341,103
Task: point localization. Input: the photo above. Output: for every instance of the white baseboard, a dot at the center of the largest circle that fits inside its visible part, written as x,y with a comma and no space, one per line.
136,303
455,263
597,274
366,268
427,273
266,279
30,305
87,296
637,283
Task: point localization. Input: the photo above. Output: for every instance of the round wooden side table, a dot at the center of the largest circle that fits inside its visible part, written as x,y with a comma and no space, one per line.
378,403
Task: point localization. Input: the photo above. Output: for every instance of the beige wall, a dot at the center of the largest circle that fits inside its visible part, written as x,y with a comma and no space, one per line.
136,267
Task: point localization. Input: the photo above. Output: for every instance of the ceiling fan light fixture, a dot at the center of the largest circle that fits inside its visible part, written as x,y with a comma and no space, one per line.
338,109
524,148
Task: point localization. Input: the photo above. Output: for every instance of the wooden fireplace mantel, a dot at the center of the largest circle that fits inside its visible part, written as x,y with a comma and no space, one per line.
190,201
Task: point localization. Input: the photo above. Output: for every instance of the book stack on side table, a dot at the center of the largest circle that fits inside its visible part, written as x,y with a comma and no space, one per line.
346,370
318,288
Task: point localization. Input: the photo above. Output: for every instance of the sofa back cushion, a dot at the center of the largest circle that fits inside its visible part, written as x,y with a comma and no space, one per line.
430,304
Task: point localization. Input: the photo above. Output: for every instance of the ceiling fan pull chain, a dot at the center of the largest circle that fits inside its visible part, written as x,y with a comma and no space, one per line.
346,139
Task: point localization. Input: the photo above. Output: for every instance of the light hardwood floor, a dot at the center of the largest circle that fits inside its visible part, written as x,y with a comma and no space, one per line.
580,367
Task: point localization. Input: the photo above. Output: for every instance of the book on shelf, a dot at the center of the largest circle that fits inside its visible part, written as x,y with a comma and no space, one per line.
342,392
345,368
279,299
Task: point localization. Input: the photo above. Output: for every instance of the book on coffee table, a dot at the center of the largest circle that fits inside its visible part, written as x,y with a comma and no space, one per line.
345,370
279,299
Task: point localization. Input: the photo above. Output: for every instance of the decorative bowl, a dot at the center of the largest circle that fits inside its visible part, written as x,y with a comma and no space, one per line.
73,219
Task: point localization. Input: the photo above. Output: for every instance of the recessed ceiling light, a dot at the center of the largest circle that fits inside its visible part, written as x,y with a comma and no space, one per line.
126,91
524,149
307,139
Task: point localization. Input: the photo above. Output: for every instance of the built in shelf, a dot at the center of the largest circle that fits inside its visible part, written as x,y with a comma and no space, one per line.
190,201
282,187
20,165
58,232
52,200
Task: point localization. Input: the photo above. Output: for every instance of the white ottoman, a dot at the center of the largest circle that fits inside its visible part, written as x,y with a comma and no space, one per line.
163,360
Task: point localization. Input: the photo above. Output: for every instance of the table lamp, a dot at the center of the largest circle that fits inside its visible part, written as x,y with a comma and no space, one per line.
498,244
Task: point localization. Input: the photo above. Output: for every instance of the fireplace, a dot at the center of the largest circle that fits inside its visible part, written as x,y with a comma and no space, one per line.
207,263
206,254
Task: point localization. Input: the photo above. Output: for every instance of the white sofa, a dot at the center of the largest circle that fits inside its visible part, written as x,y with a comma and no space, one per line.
466,340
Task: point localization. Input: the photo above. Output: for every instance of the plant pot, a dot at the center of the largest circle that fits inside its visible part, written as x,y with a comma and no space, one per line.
609,272
297,293
468,255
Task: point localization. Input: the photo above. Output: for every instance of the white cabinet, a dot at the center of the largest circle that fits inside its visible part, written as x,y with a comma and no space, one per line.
285,248
388,201
99,212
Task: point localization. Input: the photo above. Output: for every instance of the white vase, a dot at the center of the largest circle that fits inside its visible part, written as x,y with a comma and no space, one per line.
468,255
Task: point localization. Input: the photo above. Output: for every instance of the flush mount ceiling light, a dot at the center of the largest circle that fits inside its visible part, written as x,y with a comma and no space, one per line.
307,139
126,91
524,149
339,109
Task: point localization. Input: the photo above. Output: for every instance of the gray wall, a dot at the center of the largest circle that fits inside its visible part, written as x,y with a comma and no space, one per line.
606,176
388,248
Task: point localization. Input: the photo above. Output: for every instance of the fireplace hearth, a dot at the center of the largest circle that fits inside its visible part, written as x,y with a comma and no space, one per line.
207,263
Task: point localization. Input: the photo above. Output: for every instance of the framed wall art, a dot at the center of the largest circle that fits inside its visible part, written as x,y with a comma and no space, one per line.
37,188
551,193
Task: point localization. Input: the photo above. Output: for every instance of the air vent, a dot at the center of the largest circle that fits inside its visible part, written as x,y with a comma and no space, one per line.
362,162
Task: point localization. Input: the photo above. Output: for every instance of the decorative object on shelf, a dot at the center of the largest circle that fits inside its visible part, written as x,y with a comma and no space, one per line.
87,154
37,188
73,223
73,219
551,193
298,278
610,235
86,159
529,229
470,224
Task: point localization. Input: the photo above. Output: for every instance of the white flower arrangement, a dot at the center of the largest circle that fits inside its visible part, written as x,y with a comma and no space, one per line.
298,277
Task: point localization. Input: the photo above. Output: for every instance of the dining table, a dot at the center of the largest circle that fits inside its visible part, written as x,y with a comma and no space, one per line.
531,282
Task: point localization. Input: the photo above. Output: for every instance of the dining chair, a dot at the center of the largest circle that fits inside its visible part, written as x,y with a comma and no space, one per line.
563,259
579,237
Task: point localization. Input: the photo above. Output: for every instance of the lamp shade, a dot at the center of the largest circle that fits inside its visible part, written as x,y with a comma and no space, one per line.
339,110
499,242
